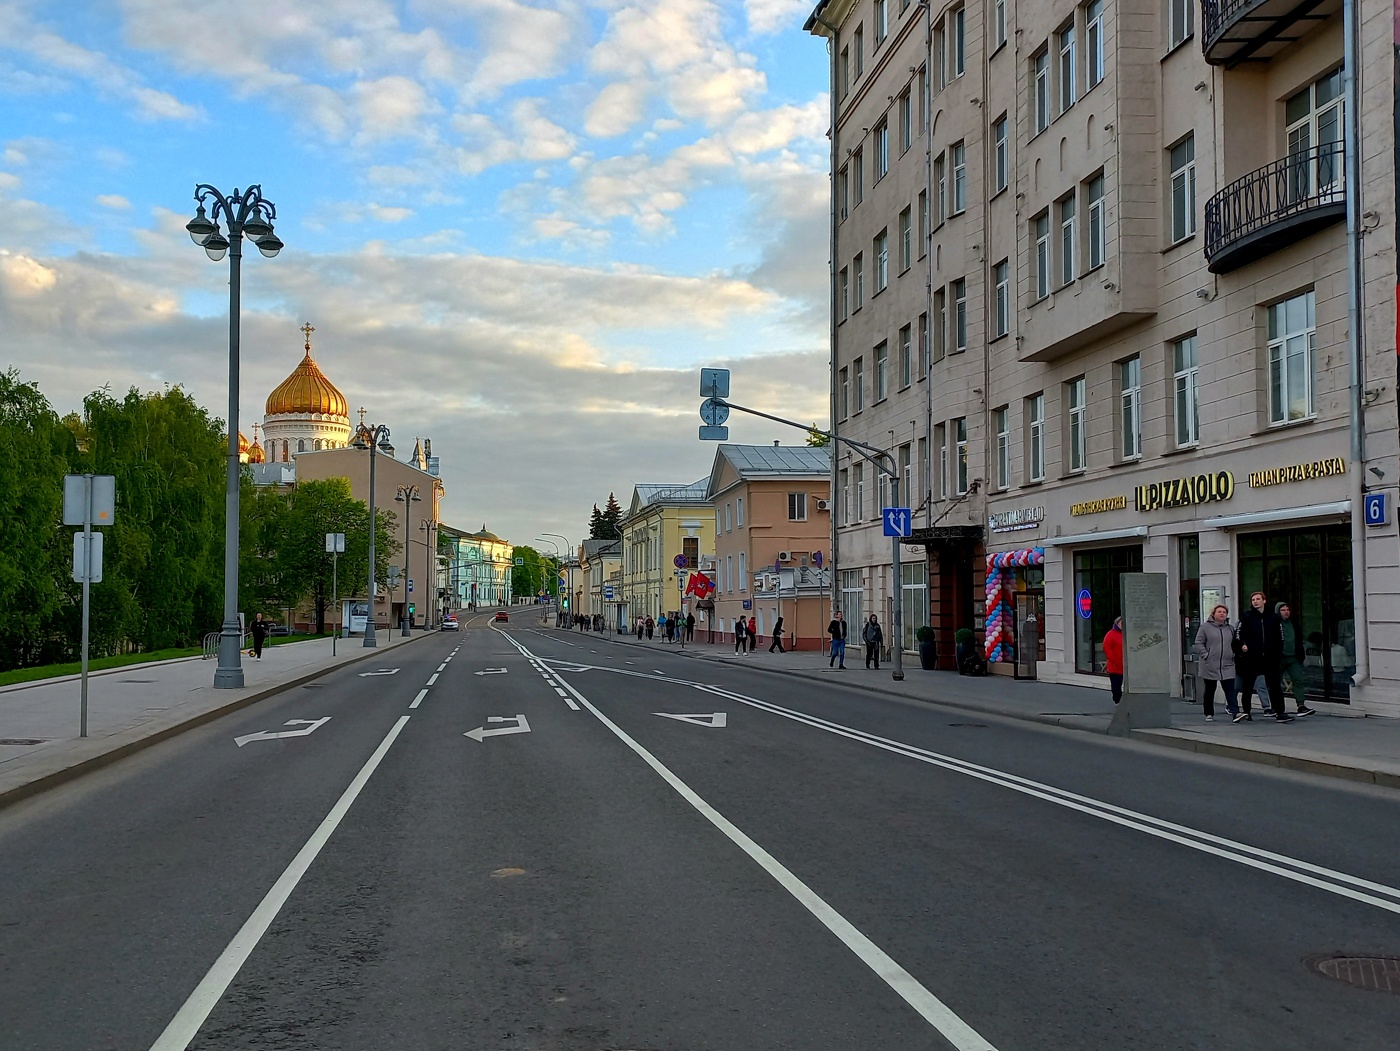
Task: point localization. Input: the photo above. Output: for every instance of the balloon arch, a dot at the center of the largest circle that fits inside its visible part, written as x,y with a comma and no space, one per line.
1000,641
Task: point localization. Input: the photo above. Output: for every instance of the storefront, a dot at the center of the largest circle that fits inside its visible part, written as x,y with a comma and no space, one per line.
1013,627
1098,574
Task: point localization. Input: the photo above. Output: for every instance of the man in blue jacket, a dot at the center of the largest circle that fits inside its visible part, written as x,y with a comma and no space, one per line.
1259,645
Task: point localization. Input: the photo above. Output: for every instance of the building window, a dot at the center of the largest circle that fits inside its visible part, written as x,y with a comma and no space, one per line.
923,461
882,261
859,476
1002,420
1182,20
719,528
906,474
958,29
739,512
882,150
1093,41
940,438
1035,415
940,324
1130,406
743,571
1314,117
998,23
1183,181
906,240
924,361
1098,234
959,152
858,49
797,507
1001,280
844,478
959,315
1188,419
923,223
882,491
858,174
882,21
858,385
1040,75
906,356
882,370
844,73
843,192
690,548
940,190
1001,167
843,395
1292,345
924,99
729,573
858,264
1067,83
960,453
1041,227
844,293
729,518
1067,242
301,445
851,595
906,121
940,57
1078,422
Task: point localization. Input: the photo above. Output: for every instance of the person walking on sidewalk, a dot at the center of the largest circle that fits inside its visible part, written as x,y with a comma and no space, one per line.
651,627
1293,658
837,630
741,628
873,638
690,627
259,629
1113,658
1215,650
777,637
1260,652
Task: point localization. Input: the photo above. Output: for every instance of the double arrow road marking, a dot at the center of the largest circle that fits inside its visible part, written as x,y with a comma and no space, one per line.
309,726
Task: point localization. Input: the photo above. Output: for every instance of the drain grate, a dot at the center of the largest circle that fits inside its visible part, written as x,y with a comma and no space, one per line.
1376,973
22,740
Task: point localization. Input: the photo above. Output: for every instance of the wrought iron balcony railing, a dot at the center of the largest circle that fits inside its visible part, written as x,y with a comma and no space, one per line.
1235,31
1273,207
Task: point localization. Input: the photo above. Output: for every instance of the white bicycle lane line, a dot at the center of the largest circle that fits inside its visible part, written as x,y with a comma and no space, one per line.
548,674
1343,883
933,1010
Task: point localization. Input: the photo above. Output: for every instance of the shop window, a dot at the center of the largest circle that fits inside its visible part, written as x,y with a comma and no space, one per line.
1098,573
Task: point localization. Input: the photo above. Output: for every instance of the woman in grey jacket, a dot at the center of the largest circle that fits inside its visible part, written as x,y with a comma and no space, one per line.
1215,650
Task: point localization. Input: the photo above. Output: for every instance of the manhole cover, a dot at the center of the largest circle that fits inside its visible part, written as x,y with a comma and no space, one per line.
1376,973
22,740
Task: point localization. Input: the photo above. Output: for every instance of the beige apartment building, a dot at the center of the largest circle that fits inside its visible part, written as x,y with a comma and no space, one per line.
1093,287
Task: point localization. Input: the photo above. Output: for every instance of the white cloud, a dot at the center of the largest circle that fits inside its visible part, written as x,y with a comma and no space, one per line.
771,16
115,201
618,107
531,136
386,214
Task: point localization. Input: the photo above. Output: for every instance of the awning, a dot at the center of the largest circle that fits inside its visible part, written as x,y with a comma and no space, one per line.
1341,509
949,534
1093,538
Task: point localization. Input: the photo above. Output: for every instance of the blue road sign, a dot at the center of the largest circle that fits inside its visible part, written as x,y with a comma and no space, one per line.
1377,507
714,383
410,585
714,434
608,593
898,521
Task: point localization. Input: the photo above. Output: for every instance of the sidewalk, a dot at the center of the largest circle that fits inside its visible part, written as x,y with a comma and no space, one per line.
136,706
1332,743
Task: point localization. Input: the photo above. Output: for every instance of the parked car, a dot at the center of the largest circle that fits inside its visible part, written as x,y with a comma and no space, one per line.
501,615
449,623
279,630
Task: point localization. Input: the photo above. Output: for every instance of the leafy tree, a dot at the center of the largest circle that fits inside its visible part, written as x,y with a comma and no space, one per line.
816,438
537,572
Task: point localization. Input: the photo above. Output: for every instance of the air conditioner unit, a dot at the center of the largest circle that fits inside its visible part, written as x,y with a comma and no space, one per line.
823,505
784,556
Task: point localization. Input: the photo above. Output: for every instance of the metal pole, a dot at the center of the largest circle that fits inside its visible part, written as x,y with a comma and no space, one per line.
335,593
897,586
87,584
229,674
407,563
370,641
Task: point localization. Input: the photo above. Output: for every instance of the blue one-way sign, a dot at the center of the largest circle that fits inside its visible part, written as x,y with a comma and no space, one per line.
898,521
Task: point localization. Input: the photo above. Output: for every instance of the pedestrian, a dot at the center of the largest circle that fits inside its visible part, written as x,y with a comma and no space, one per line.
777,637
641,628
1215,653
753,633
1113,658
837,630
873,638
1293,658
259,629
741,629
651,627
690,627
671,628
1259,636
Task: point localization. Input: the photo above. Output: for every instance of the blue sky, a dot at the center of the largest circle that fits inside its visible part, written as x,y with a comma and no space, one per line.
517,227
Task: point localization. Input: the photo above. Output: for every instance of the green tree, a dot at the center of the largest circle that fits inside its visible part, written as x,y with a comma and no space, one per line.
535,573
817,438
595,523
611,528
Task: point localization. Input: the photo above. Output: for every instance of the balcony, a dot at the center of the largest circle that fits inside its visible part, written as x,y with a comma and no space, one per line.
1274,207
1235,31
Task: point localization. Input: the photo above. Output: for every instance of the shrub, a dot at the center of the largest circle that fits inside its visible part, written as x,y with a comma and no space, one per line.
964,635
924,634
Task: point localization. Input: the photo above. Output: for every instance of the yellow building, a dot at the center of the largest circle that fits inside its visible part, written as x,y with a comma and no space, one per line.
664,523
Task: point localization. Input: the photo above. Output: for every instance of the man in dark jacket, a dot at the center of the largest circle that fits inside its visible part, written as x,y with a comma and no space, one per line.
837,630
1293,657
1259,644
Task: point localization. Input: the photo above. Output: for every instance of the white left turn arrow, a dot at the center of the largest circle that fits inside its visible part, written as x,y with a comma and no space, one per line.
522,727
308,726
379,671
490,671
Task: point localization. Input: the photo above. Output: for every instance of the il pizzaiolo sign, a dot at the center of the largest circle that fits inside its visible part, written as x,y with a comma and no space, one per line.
1184,492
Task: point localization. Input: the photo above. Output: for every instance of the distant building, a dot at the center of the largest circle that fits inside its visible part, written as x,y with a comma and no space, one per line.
663,524
476,567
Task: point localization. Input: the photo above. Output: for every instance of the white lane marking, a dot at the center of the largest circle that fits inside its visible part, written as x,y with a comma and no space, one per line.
522,726
934,1011
308,726
573,706
718,720
490,671
442,666
378,671
210,990
1206,842
559,691
432,678
419,699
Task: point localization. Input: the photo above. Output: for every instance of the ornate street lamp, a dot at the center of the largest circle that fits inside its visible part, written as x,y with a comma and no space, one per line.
373,439
248,214
406,495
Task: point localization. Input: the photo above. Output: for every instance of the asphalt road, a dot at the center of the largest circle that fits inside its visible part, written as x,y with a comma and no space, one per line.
531,851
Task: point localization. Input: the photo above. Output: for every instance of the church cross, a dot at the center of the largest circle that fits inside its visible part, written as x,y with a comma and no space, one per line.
308,329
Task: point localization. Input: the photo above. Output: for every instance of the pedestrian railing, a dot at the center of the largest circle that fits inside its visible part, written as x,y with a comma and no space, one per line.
211,644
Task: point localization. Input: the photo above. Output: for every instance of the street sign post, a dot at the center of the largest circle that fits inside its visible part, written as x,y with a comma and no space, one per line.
88,500
898,521
335,544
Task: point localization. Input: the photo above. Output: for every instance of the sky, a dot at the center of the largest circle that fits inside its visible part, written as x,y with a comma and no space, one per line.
519,229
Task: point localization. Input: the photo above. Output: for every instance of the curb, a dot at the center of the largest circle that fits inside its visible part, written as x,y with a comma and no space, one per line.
1317,767
62,771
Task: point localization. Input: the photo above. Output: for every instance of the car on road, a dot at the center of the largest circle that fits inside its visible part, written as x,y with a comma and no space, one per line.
501,615
449,623
279,631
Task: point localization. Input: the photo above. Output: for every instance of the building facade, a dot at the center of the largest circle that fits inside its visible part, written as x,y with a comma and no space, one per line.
600,570
666,532
477,567
1151,343
772,530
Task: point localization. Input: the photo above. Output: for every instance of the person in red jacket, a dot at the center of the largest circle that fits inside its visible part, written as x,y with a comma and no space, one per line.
1113,658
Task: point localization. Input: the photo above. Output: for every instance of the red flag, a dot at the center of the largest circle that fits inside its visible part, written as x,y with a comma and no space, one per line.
702,584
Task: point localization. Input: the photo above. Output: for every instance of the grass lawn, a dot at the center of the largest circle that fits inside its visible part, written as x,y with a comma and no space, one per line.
53,671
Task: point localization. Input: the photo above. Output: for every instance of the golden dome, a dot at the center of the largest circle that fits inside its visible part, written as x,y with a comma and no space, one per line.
242,443
307,392
256,454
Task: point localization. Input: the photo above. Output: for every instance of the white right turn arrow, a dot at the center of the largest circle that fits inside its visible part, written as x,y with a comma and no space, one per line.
522,727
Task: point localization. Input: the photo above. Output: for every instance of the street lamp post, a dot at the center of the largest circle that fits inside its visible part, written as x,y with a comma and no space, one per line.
406,495
247,214
570,548
373,439
428,527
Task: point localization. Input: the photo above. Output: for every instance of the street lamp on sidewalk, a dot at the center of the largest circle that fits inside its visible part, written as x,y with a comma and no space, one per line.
247,214
406,495
371,438
569,548
428,528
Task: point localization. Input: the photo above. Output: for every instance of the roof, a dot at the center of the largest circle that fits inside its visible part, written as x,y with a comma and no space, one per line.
770,461
655,493
591,547
816,17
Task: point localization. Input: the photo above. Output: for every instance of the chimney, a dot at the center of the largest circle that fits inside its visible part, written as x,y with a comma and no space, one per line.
776,443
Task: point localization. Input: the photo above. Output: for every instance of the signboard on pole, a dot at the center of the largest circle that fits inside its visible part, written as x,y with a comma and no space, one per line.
335,543
87,558
898,521
76,497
